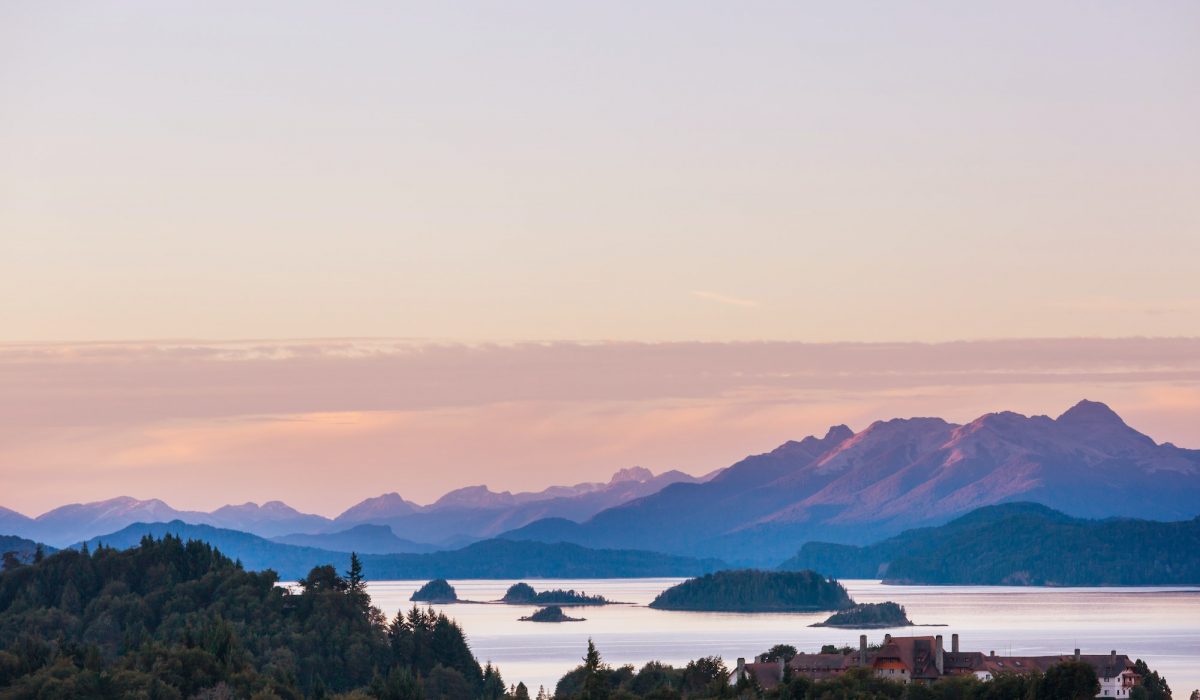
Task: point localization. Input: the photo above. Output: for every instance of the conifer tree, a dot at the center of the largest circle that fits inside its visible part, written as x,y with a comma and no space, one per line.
356,584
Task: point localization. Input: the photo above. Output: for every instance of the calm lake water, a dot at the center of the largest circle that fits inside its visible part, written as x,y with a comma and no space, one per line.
1160,625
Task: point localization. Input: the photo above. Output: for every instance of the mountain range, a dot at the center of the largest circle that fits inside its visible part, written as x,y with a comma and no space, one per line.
848,487
457,518
843,487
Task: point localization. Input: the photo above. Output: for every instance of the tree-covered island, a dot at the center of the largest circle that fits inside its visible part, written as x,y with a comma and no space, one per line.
550,613
438,591
753,590
869,616
524,594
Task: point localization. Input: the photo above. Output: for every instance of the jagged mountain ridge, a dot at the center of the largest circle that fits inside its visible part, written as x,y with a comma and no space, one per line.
453,520
900,474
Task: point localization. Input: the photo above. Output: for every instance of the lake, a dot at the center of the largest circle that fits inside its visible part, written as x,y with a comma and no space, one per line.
1160,625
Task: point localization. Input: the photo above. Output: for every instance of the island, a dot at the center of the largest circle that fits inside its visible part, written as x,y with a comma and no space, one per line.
869,616
550,613
438,590
753,590
524,594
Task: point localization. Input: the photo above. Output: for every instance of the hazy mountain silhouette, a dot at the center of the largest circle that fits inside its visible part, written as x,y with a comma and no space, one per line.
898,474
69,524
270,519
476,512
22,548
843,487
460,517
365,538
487,559
1021,544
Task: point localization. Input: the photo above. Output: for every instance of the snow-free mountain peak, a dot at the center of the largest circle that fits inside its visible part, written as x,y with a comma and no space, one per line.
638,474
388,505
1093,414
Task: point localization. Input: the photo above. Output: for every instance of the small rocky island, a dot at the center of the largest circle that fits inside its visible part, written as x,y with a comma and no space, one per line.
753,590
869,616
438,590
550,613
524,594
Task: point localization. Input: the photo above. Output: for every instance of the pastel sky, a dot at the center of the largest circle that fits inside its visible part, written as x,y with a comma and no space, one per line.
543,205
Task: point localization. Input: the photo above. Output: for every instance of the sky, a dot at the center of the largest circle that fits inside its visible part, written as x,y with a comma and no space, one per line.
516,210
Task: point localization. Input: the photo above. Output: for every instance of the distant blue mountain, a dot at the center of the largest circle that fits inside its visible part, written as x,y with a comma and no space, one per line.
23,549
364,539
459,517
1021,544
487,559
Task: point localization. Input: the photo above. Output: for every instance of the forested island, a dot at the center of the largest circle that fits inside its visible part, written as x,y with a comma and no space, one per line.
168,619
551,613
438,590
1021,544
869,616
524,594
753,590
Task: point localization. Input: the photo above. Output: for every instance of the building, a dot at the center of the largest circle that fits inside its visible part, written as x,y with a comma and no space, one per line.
767,674
925,660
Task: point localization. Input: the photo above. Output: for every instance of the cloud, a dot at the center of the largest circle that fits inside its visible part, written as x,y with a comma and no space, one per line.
723,299
1108,306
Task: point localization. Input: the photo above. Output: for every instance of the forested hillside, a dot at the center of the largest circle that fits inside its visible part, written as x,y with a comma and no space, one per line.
169,619
1022,544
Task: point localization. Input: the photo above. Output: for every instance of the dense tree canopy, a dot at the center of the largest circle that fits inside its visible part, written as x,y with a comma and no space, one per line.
707,678
524,594
868,615
169,619
438,590
752,590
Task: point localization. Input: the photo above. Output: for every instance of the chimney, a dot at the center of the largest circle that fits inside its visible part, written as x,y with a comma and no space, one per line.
862,650
782,668
992,653
954,642
741,668
938,658
1077,654
887,639
1112,658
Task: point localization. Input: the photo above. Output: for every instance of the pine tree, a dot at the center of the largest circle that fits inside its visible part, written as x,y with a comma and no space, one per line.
354,577
591,660
521,692
595,683
493,684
